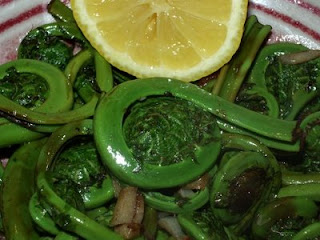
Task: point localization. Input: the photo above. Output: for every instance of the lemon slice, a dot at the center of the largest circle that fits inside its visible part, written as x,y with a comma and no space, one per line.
182,39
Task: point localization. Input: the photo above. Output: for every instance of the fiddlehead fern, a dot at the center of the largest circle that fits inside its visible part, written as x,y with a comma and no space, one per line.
283,218
67,215
26,89
37,86
17,222
119,158
60,11
234,73
203,225
258,100
47,119
311,128
237,192
80,165
90,75
173,204
293,85
49,43
302,177
167,130
117,155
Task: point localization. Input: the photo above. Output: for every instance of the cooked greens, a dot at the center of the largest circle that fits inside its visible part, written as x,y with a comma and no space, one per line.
98,154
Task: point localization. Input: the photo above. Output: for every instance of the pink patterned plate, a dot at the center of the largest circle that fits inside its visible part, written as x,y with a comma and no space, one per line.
292,20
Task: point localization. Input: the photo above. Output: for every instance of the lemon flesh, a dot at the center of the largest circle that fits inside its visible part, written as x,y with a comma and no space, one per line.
182,39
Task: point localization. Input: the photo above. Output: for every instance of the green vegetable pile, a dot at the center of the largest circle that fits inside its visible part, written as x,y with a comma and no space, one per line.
95,153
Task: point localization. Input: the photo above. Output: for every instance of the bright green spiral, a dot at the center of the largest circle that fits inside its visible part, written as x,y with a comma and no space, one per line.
28,90
167,130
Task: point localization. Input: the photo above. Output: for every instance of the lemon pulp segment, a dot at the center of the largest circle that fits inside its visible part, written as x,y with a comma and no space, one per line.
183,39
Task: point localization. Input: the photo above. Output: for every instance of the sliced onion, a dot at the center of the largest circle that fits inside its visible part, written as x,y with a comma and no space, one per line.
116,187
172,226
198,184
299,57
186,193
128,213
139,209
4,161
128,231
125,208
163,214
